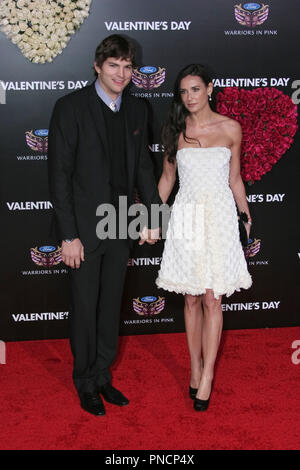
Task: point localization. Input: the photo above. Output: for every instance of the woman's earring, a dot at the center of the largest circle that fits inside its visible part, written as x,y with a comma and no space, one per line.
209,97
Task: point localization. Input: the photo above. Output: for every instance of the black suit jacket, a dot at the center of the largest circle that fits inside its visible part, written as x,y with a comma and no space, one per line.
78,162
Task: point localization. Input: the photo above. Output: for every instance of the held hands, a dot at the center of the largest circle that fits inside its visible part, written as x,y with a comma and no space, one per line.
150,236
72,253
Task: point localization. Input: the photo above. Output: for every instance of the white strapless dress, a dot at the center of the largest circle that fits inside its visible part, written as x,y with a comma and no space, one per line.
202,248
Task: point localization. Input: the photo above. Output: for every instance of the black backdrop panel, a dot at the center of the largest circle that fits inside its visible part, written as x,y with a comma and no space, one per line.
169,35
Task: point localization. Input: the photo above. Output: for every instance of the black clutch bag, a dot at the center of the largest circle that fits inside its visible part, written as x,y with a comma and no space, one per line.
243,217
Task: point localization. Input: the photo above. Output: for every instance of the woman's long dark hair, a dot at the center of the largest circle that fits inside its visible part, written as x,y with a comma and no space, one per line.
177,115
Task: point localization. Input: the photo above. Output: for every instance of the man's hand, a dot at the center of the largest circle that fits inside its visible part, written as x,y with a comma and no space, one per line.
72,253
150,236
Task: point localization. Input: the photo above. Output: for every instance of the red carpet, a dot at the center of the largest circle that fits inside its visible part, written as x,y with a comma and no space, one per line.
255,402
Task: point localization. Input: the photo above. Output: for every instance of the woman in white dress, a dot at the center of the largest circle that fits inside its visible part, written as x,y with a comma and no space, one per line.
205,259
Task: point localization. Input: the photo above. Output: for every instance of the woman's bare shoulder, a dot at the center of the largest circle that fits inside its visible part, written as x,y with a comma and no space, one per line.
230,124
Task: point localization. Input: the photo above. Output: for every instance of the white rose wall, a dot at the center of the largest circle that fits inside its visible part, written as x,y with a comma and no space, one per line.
47,50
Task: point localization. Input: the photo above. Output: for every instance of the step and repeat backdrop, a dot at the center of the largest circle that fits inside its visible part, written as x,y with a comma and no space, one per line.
47,50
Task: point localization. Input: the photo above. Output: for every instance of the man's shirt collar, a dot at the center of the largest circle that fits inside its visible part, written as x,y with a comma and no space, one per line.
106,98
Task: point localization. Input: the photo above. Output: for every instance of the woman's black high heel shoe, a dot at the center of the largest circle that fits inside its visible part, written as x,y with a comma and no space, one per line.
202,405
193,392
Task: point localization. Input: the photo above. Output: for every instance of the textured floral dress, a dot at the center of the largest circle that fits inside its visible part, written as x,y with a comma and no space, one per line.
202,248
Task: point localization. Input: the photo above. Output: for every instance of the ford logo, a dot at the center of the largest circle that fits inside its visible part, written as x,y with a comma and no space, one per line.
41,132
148,298
47,248
251,6
148,69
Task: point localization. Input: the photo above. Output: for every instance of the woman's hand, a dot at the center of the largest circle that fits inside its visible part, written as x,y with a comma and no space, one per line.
248,228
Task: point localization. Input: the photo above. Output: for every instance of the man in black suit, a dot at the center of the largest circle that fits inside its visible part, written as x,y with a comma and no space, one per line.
98,152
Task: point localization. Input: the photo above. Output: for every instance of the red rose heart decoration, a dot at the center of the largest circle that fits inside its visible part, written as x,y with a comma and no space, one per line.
269,122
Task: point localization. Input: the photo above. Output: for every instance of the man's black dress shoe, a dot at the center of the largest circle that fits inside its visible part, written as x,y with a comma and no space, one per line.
92,403
112,395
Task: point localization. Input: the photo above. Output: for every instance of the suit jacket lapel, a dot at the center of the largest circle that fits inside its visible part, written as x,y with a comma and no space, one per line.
99,122
129,138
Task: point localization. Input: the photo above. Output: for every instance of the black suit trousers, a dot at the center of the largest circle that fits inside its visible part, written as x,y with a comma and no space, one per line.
96,294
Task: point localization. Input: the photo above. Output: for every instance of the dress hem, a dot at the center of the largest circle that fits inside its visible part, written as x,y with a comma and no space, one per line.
183,289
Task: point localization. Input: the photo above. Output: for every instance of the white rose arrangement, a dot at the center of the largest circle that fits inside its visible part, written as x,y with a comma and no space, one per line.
42,28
